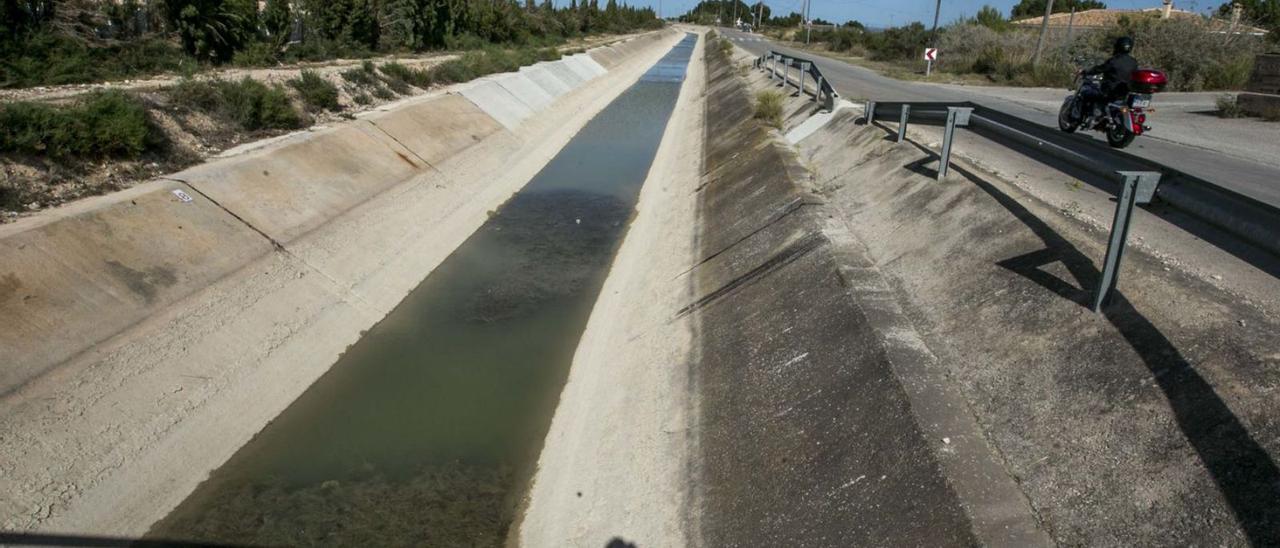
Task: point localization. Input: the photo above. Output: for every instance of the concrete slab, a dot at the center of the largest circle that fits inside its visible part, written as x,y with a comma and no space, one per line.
591,64
539,74
497,102
606,56
525,90
110,262
454,122
575,64
815,122
567,75
290,190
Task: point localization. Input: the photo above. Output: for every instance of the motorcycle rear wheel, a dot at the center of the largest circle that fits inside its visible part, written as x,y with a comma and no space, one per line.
1118,136
1065,122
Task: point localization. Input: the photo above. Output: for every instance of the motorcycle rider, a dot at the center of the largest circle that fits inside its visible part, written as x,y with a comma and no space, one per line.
1117,73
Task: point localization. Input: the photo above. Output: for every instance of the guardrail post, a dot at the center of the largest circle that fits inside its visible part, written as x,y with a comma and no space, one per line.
870,113
773,67
956,116
1138,187
902,122
804,69
817,91
786,73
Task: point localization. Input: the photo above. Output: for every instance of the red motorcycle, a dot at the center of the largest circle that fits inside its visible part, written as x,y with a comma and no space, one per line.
1122,119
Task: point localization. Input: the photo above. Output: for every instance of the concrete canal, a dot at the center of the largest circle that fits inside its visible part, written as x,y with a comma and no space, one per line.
425,432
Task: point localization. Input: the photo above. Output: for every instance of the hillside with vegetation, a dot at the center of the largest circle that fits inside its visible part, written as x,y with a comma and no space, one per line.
1197,55
229,73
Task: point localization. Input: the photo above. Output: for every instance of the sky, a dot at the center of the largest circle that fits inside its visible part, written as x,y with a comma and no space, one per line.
883,13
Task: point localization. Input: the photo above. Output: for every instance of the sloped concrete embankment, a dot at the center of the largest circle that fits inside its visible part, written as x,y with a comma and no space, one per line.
1152,423
150,333
810,433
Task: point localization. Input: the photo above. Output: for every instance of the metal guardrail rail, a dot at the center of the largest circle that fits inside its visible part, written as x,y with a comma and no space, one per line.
823,92
1247,218
1138,180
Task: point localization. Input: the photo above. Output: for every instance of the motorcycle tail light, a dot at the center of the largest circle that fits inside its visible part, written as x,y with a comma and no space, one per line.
1142,118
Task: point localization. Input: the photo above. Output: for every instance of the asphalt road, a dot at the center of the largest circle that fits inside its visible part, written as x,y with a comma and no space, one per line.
1257,176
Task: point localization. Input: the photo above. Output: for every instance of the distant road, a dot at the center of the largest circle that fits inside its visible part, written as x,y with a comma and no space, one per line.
1241,155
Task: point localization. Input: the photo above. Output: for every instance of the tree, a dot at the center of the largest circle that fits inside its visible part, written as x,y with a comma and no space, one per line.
1263,13
1035,8
991,18
212,30
277,20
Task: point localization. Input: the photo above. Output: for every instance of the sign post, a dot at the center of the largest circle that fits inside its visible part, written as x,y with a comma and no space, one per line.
930,55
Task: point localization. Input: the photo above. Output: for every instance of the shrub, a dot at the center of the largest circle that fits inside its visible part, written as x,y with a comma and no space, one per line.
256,54
48,59
249,103
103,124
1193,57
1229,108
396,71
316,92
769,108
398,86
362,98
360,77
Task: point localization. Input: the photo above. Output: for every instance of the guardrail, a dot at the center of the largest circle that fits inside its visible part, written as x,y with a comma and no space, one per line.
823,93
1138,180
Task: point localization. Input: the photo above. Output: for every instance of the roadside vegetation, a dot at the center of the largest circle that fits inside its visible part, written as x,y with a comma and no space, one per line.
249,104
103,124
54,150
769,108
49,42
987,47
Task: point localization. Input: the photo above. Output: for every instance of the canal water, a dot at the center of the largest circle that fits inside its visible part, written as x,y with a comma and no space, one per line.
426,431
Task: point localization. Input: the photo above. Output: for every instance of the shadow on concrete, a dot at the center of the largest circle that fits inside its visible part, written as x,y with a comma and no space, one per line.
1246,475
619,542
1249,253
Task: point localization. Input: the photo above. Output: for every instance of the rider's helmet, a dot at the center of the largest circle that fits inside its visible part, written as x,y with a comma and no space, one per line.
1124,44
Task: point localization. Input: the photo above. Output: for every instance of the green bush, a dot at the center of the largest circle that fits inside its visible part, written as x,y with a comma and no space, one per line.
769,108
249,103
366,75
257,54
316,92
213,30
1193,57
103,124
44,59
397,72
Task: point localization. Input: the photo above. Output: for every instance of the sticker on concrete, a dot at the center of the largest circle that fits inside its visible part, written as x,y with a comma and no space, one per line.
182,196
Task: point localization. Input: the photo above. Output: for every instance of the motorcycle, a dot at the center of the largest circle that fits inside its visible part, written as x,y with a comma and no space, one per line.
1122,119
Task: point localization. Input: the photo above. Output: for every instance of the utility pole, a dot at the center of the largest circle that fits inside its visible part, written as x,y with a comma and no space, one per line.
735,13
1071,23
808,23
759,16
933,34
1044,28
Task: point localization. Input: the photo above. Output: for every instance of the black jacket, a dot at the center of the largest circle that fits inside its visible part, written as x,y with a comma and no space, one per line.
1116,73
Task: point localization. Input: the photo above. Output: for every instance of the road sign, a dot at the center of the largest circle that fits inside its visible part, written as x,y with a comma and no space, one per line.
930,54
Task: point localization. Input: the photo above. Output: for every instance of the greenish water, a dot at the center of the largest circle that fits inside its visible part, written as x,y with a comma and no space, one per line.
426,430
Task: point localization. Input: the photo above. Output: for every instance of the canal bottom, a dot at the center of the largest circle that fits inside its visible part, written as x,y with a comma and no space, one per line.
426,430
